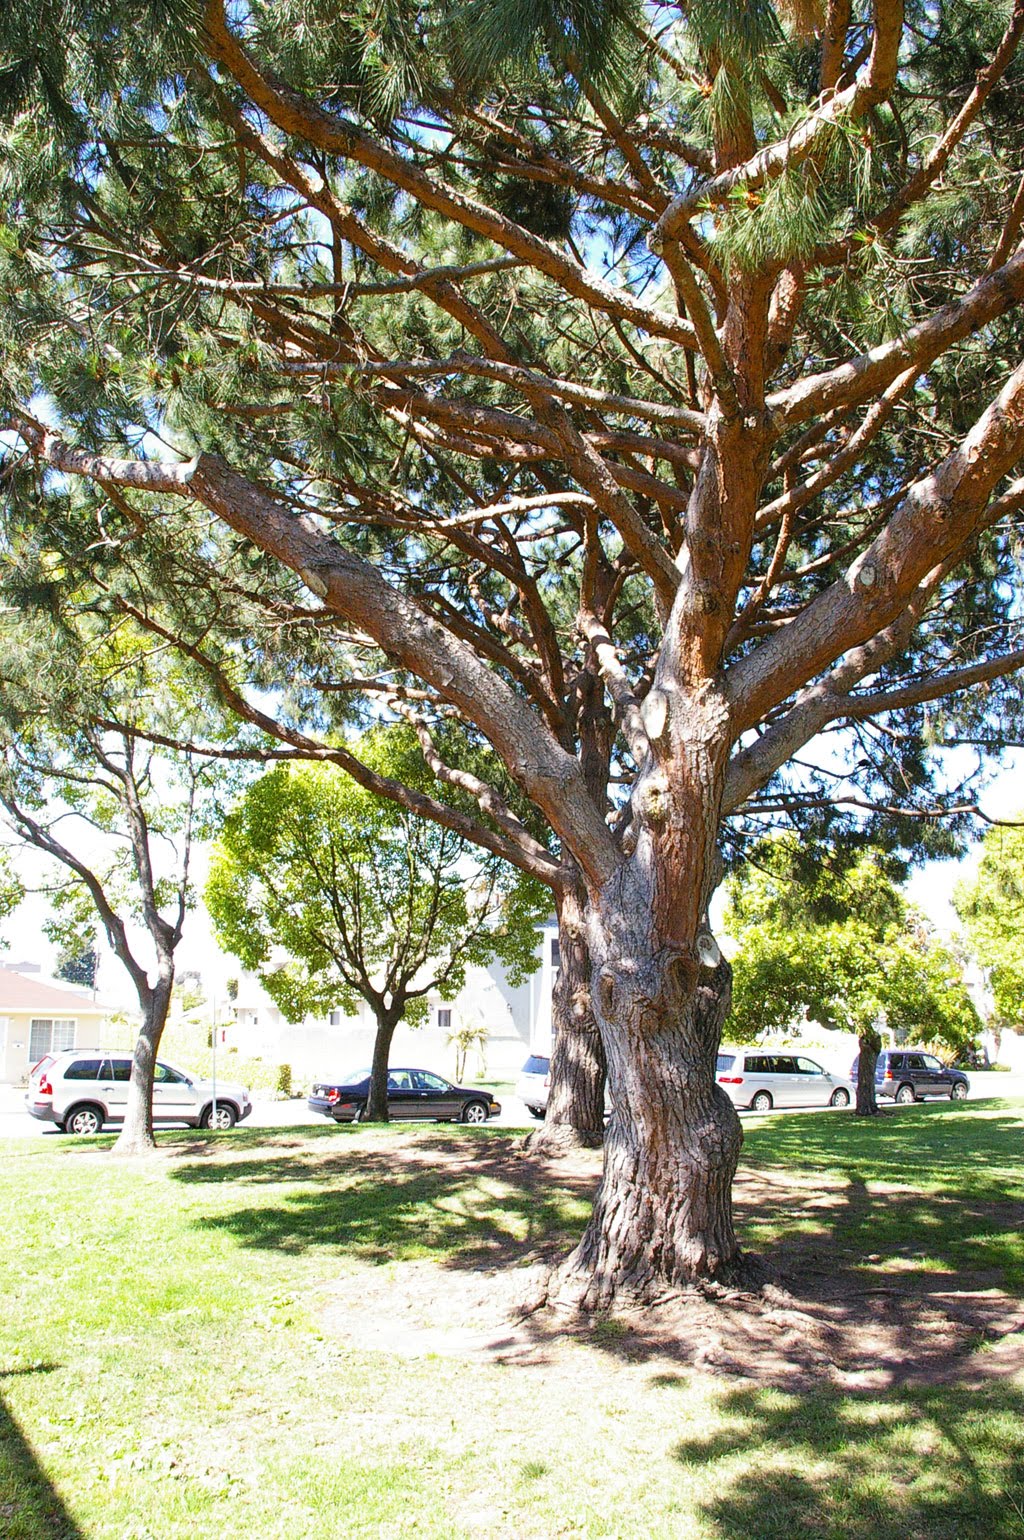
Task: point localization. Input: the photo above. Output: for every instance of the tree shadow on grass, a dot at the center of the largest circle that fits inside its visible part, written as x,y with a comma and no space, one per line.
937,1464
30,1508
468,1203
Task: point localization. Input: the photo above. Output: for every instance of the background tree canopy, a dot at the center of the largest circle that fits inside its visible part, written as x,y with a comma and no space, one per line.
833,938
992,909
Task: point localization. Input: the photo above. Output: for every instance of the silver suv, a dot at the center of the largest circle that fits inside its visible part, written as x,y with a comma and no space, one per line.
83,1088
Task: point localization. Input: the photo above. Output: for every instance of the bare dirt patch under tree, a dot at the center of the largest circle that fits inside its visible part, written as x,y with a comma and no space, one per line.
823,1312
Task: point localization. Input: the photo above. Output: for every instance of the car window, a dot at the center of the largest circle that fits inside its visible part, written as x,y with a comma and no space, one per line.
896,1061
725,1061
119,1070
929,1062
428,1082
536,1065
163,1074
783,1065
808,1067
399,1080
83,1069
915,1061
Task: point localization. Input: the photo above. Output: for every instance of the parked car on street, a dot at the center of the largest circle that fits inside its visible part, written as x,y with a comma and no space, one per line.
758,1080
909,1075
83,1088
412,1093
533,1084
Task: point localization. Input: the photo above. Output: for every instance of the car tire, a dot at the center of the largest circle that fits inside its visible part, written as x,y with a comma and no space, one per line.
840,1098
958,1092
905,1095
84,1119
475,1112
536,1112
762,1102
227,1117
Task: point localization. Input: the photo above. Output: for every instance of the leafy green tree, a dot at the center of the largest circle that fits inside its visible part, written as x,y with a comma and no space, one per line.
637,386
832,937
367,901
79,783
992,910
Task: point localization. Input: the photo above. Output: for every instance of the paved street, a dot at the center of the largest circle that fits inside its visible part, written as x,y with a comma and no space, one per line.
15,1122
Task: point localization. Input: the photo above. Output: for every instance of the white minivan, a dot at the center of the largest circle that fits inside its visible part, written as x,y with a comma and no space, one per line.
83,1088
758,1080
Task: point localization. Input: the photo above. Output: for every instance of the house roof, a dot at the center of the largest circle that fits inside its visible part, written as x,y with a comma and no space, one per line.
19,992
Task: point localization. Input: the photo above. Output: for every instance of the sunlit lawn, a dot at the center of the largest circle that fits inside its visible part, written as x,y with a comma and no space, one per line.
166,1369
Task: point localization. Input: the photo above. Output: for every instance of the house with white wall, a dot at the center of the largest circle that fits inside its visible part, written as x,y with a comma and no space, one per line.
37,1018
517,1019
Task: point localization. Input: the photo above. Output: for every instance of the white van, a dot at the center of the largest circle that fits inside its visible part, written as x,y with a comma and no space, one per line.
758,1080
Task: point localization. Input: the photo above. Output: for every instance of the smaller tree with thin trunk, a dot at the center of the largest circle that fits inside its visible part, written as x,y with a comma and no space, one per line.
120,820
366,901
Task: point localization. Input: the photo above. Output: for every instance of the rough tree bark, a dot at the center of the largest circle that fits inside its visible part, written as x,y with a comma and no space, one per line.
870,1046
663,1213
575,1111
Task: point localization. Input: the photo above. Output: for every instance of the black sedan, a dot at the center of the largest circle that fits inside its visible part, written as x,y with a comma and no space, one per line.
412,1093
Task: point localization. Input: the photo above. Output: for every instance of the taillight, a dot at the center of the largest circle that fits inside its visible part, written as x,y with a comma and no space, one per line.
333,1093
547,1081
730,1080
44,1088
888,1075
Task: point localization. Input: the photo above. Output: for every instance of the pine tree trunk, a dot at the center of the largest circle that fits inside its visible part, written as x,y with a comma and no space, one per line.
663,1213
136,1136
870,1047
575,1111
376,1109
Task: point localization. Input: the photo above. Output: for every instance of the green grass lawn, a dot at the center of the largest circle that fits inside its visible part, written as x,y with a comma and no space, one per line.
168,1366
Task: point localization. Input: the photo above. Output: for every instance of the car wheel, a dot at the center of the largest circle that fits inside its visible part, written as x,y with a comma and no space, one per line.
905,1095
536,1112
226,1117
84,1120
762,1102
958,1092
474,1112
839,1098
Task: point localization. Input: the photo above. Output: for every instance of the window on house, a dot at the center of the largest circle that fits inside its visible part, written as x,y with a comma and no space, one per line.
334,1018
49,1034
444,1020
556,955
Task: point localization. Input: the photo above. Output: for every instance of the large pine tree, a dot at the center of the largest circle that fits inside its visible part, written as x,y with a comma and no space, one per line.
638,385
